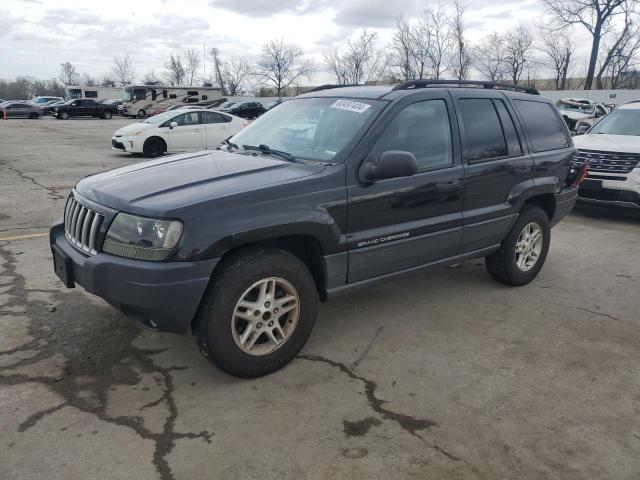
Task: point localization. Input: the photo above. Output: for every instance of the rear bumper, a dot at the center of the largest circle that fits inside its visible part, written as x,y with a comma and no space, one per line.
162,296
565,201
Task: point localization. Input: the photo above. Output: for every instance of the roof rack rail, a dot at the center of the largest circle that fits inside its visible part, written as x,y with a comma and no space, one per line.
411,84
331,86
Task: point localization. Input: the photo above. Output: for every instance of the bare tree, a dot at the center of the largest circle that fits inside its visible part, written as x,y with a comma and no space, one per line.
594,15
88,80
620,51
360,62
403,49
557,48
175,70
122,69
150,78
518,45
215,55
68,74
436,38
107,81
281,65
490,56
192,62
461,60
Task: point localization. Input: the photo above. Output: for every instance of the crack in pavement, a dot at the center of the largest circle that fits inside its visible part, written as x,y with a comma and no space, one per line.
593,312
51,191
407,423
97,357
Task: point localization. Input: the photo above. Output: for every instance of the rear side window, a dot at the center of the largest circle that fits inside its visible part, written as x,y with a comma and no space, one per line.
214,117
543,124
514,146
90,94
482,130
423,129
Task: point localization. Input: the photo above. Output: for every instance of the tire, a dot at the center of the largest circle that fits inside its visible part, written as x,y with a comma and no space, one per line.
142,114
33,116
503,265
154,147
218,328
107,115
63,116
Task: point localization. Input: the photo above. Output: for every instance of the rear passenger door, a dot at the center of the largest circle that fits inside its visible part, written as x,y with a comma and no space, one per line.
216,128
398,223
496,163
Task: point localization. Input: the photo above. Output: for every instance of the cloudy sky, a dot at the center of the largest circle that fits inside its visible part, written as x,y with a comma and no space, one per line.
37,35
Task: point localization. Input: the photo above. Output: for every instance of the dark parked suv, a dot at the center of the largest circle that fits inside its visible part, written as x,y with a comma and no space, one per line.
332,190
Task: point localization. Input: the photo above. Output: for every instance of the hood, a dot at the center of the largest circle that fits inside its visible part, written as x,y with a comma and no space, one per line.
161,186
576,115
133,128
608,143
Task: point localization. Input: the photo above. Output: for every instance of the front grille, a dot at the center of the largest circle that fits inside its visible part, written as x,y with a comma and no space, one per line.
81,226
607,161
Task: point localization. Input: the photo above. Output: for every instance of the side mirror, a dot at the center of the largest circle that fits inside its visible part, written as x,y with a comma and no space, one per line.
582,129
391,164
173,124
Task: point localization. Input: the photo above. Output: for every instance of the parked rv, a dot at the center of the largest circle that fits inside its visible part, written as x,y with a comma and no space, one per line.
145,100
76,92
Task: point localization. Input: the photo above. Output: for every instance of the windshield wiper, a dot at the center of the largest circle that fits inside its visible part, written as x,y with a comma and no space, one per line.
230,143
269,151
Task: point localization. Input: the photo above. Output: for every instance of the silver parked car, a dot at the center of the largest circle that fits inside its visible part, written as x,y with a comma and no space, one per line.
19,110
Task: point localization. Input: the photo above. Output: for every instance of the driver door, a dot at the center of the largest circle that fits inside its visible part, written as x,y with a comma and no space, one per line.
188,135
398,223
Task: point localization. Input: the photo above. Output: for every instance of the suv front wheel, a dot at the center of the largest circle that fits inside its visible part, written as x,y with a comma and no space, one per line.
524,250
257,313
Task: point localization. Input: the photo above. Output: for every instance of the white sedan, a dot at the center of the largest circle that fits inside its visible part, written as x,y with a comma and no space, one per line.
177,131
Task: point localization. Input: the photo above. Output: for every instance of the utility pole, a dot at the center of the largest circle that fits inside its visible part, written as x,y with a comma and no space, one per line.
204,63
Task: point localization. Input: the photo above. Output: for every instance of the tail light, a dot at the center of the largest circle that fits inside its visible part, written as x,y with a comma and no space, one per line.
582,173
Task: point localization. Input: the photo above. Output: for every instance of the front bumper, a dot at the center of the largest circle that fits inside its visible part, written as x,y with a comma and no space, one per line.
162,296
615,189
126,144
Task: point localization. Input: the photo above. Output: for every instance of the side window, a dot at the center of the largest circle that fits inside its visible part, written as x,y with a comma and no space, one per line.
164,94
173,95
90,94
510,133
154,94
543,124
214,117
423,129
186,119
192,92
482,130
204,97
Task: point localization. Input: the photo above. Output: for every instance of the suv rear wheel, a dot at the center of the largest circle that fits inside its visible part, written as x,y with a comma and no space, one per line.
523,251
257,313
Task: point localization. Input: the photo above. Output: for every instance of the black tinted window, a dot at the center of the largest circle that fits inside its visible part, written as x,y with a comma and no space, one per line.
544,126
482,129
423,129
510,134
91,94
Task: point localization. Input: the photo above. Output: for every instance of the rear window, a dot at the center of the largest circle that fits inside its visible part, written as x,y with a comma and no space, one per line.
543,124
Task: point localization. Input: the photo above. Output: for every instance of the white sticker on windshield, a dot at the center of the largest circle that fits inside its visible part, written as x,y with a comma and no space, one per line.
350,105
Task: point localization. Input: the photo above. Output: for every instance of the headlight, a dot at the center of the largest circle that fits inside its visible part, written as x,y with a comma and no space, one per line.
142,238
137,132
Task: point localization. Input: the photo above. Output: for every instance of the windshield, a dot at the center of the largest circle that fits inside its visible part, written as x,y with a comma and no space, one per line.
127,94
161,117
226,105
619,122
575,106
73,93
310,128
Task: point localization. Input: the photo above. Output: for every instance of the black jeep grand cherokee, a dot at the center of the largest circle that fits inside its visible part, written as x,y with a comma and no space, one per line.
332,190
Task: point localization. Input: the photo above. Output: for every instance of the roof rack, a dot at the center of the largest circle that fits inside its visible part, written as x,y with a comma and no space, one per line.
331,86
412,84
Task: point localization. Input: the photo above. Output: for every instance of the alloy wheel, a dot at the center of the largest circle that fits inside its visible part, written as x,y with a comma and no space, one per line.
265,316
529,246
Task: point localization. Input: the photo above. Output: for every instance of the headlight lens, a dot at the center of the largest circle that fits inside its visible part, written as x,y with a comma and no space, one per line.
142,238
137,132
